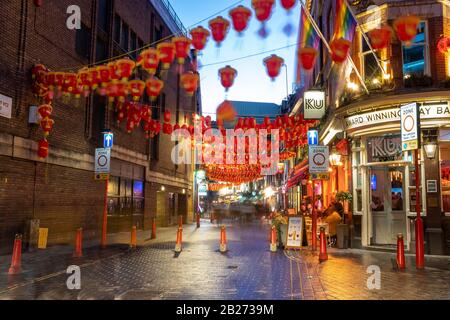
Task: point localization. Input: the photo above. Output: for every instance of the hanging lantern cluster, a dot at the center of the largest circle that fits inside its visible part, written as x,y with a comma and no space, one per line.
235,174
273,65
46,123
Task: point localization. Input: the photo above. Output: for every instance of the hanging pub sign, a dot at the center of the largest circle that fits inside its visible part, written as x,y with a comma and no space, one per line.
410,125
314,104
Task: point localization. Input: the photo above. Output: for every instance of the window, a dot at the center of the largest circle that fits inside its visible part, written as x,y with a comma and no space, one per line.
117,28
125,196
101,50
371,70
133,44
103,14
83,42
415,56
124,43
159,33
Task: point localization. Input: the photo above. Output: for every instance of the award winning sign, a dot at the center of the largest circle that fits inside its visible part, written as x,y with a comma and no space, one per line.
319,159
294,235
314,104
410,126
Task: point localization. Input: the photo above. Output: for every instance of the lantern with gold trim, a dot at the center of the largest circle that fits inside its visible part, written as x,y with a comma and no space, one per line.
47,125
166,52
273,65
227,76
406,28
154,87
307,58
190,82
200,37
340,49
219,28
136,89
149,60
182,47
240,17
43,148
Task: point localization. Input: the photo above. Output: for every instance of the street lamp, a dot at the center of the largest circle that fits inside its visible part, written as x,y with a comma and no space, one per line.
430,149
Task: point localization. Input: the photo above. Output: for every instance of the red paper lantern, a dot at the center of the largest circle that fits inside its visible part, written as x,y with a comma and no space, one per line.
240,17
85,80
226,112
273,65
111,91
444,45
136,89
130,125
43,147
199,37
307,57
114,71
47,125
166,52
94,77
167,116
182,47
70,82
263,9
380,38
288,4
149,60
340,49
154,87
219,29
190,82
125,68
406,28
122,90
39,73
45,111
227,76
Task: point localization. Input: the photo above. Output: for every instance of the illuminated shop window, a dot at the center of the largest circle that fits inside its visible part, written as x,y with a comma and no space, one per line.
415,62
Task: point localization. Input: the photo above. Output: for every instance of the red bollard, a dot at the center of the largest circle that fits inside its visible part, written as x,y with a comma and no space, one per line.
198,220
78,244
133,241
178,245
223,239
400,252
420,255
180,221
153,229
323,256
273,240
16,261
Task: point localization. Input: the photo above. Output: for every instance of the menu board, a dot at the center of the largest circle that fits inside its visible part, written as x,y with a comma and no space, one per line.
294,233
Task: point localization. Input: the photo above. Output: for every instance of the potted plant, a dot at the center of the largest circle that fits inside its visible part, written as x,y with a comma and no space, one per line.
280,223
342,228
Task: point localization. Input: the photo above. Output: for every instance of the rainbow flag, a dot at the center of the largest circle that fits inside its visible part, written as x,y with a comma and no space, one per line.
345,24
307,38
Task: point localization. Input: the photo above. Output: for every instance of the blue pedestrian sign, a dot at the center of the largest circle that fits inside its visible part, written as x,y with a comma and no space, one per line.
108,140
313,137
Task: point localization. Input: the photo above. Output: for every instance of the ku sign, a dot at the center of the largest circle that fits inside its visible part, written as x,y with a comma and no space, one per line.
409,115
319,159
313,137
314,104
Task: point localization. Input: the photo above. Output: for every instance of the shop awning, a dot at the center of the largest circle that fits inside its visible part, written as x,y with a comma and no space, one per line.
301,172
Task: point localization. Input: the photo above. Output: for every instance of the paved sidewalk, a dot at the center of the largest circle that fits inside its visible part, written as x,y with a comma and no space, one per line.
247,271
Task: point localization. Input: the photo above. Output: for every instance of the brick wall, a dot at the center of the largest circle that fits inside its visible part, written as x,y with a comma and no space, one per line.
65,198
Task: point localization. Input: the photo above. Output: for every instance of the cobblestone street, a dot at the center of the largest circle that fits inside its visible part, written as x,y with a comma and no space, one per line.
247,271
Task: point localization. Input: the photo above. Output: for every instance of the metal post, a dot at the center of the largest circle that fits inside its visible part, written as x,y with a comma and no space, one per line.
105,215
420,258
314,221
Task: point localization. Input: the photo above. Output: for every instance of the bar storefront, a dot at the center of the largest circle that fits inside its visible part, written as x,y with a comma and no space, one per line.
383,177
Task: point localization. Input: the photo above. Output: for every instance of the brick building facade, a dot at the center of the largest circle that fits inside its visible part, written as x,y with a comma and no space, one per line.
61,191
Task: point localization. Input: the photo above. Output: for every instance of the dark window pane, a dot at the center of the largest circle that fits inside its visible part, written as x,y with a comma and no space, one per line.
101,51
83,42
117,27
125,37
103,14
371,68
133,44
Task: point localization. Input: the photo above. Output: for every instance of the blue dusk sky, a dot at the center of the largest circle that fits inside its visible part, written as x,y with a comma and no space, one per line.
252,82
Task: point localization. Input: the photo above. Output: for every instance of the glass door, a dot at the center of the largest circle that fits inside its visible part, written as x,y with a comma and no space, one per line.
387,194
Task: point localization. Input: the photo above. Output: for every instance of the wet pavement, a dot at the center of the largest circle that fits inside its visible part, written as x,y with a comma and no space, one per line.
247,271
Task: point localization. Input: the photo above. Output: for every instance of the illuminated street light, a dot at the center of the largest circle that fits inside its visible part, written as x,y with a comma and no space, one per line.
430,149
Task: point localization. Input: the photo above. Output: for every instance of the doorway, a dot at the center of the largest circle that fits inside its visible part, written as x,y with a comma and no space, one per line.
387,204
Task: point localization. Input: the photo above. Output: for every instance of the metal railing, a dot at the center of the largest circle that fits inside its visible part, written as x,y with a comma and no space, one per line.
174,15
